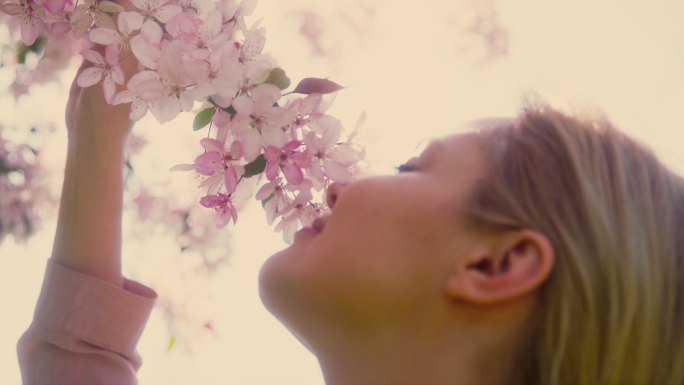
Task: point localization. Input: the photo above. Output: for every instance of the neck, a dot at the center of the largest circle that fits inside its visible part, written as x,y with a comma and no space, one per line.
400,360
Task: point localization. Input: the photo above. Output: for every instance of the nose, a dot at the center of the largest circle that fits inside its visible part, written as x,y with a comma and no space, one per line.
333,193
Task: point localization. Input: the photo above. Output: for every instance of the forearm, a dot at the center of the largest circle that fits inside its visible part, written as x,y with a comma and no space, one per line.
88,235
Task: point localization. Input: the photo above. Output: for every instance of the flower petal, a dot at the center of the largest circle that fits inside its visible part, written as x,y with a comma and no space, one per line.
103,20
166,12
93,57
337,172
80,25
29,31
124,97
109,88
146,53
138,110
12,9
55,7
292,173
117,74
183,167
109,7
251,144
129,22
152,32
266,190
104,36
230,179
89,76
140,4
165,109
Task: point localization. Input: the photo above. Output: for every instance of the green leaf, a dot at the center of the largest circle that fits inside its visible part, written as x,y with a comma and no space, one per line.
256,167
278,78
4,168
228,109
203,118
23,50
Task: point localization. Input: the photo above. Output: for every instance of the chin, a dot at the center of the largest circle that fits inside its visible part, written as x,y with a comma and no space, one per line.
282,289
278,280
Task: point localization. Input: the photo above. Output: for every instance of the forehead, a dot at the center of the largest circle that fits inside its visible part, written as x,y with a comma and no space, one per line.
457,149
454,159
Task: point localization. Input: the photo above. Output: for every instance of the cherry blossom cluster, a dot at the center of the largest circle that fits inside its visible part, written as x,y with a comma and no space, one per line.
21,190
199,55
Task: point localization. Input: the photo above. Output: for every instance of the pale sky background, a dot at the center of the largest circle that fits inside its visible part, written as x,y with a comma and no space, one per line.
415,71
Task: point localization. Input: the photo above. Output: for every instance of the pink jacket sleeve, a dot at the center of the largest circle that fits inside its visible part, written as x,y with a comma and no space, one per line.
84,330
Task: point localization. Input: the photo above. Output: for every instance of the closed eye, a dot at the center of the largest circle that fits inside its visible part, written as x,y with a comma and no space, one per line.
406,168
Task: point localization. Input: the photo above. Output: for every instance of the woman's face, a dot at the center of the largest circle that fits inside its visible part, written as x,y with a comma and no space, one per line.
384,251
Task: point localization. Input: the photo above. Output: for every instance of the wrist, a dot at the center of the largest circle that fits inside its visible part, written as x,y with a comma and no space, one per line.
98,143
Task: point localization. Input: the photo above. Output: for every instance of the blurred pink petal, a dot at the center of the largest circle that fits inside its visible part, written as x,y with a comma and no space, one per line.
55,7
166,12
292,173
30,29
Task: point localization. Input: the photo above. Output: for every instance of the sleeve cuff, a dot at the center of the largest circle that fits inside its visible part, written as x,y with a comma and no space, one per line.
92,310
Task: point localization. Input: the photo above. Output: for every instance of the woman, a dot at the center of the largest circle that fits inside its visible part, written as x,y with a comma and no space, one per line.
542,249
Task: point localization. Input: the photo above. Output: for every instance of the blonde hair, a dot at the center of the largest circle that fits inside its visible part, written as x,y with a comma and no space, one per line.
612,311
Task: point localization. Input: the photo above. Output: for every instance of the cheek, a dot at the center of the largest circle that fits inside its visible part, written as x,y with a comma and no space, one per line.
377,254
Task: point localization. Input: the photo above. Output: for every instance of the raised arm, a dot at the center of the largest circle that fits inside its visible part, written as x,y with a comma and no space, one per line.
89,317
88,236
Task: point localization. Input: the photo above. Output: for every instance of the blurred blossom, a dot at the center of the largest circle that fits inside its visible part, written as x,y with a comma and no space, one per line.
24,194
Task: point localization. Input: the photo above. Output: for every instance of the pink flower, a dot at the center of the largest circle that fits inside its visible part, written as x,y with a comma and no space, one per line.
299,211
288,160
146,46
255,40
166,92
329,158
277,197
306,109
223,76
93,10
107,68
225,210
27,12
137,94
128,22
144,202
208,36
218,162
267,120
157,9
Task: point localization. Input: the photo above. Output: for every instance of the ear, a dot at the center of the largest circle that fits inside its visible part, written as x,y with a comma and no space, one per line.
504,269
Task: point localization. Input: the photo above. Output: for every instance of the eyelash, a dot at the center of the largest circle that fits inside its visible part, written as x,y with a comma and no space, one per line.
405,168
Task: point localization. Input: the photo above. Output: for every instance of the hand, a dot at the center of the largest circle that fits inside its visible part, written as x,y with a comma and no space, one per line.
88,116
